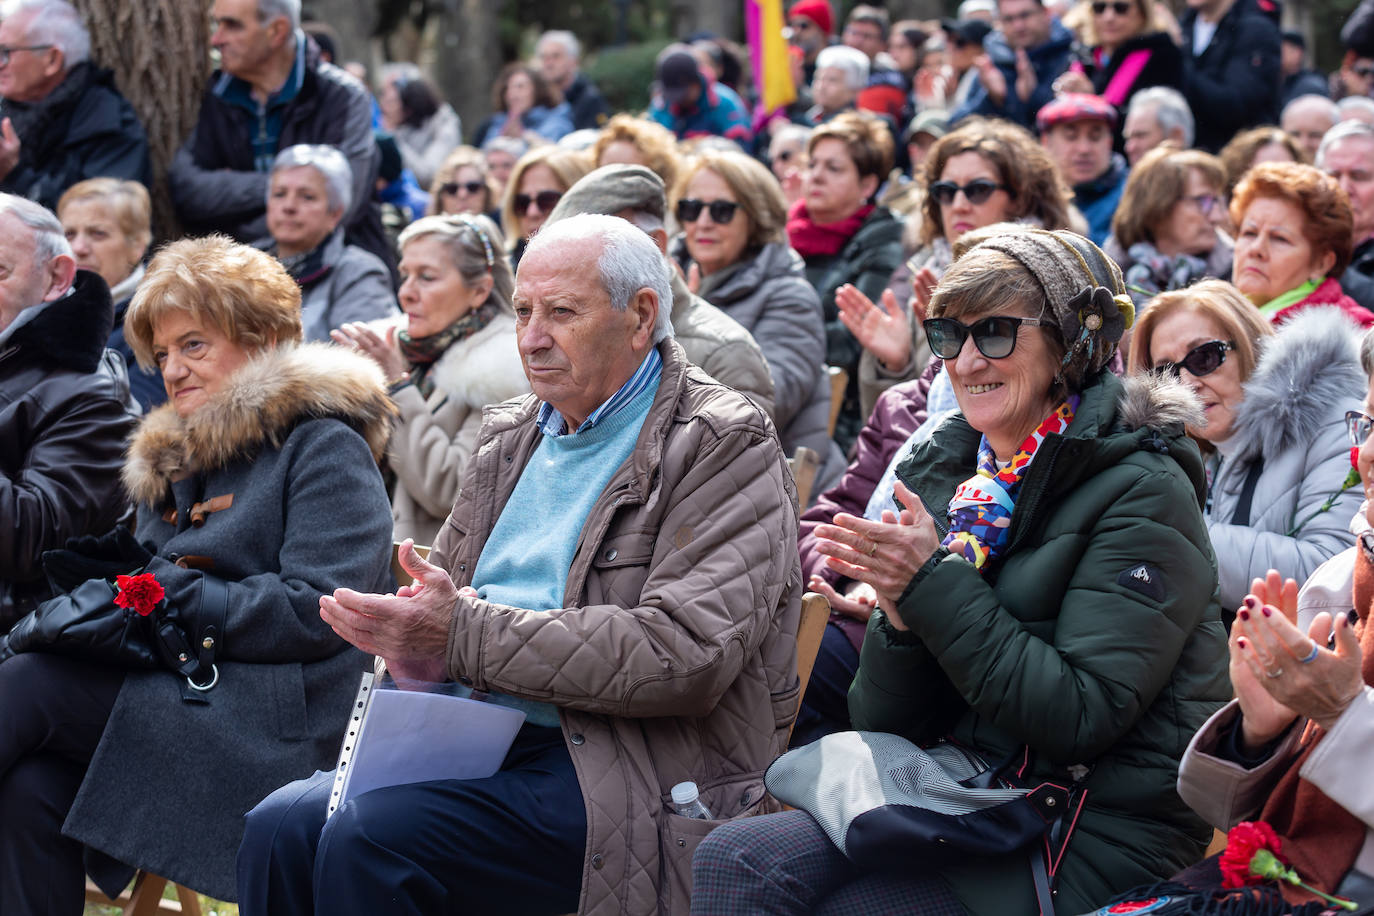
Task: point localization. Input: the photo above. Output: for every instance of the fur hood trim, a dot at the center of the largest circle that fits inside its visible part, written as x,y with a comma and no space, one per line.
1311,364
1152,400
263,402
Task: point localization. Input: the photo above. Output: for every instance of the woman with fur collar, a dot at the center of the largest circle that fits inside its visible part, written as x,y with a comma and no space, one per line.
1280,485
452,354
238,482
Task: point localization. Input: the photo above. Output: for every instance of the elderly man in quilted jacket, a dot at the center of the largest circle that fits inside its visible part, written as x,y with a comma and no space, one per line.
620,565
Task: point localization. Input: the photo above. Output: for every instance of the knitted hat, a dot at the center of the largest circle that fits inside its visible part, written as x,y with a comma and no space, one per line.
1075,106
1085,293
818,11
610,190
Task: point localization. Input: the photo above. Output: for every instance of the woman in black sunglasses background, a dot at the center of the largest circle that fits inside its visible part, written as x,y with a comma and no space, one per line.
462,184
1273,429
1047,589
733,247
1168,230
539,180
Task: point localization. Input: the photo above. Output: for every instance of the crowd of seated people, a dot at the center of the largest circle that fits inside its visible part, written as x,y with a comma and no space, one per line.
1062,307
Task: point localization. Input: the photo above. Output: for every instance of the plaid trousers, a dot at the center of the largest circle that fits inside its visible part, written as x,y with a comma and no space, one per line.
785,864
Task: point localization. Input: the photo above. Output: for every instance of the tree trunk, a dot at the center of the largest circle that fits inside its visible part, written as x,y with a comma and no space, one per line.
719,16
352,22
159,51
467,57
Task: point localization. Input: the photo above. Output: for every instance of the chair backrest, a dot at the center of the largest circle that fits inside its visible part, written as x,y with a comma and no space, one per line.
839,381
403,577
815,612
803,465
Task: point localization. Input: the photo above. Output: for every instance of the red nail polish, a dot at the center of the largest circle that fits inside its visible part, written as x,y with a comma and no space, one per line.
1241,642
1267,612
1249,602
1243,614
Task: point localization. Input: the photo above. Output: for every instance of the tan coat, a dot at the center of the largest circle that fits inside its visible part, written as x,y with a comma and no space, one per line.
435,436
676,657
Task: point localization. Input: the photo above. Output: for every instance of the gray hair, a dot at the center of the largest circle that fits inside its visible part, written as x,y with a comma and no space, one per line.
629,261
567,39
402,71
1367,352
56,23
513,145
329,162
1342,131
476,246
1171,110
271,9
49,241
1312,100
791,133
1353,103
852,61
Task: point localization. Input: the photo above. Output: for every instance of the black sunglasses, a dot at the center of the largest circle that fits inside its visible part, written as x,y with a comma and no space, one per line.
977,191
995,337
544,200
1120,7
722,211
1359,426
1204,359
453,187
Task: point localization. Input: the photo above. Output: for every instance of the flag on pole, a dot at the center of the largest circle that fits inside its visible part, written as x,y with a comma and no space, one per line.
768,53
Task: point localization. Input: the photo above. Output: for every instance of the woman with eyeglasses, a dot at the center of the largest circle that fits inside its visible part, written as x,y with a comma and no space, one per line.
732,246
1044,595
843,236
462,184
451,354
1167,231
538,181
1272,425
1293,239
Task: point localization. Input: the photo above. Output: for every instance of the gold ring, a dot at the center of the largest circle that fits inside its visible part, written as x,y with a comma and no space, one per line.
872,547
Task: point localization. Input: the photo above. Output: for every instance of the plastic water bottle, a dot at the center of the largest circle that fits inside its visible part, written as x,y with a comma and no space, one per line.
687,803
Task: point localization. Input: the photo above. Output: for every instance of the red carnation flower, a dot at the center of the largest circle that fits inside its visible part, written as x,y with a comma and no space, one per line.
141,592
1244,840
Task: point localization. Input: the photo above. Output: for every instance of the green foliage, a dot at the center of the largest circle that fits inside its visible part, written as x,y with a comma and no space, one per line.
625,74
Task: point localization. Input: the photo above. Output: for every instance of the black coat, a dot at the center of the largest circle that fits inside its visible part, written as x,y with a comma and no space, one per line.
64,416
1358,279
1234,83
83,129
1164,67
589,107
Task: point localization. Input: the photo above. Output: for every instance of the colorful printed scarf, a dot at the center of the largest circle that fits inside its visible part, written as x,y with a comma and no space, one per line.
980,512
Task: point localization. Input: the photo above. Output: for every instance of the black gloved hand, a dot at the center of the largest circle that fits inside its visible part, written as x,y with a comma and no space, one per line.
117,544
114,554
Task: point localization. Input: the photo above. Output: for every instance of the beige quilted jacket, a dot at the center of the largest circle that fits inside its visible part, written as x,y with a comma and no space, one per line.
676,657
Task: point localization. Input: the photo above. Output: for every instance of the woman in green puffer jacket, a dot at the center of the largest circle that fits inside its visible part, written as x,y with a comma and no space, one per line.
1061,600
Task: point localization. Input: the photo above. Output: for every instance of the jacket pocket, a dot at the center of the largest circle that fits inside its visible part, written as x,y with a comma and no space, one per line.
785,705
288,699
679,837
620,567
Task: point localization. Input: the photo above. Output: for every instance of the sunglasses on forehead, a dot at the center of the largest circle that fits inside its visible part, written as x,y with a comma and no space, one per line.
995,336
1204,359
977,191
468,187
722,211
544,200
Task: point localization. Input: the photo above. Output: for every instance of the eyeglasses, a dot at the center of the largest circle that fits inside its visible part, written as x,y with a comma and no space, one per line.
1359,426
995,337
6,51
544,200
468,187
1205,202
977,191
1204,359
1120,7
722,211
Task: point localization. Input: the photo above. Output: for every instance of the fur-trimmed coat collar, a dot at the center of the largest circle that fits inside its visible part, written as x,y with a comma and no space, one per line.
263,401
1152,400
1312,363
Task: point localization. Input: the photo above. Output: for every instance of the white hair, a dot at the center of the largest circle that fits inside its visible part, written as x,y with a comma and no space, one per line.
271,9
329,162
1342,131
852,61
49,241
56,23
1171,110
402,71
1312,100
629,261
567,39
1350,103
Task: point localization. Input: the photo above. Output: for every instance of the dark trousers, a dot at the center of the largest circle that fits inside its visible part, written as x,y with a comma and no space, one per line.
52,713
510,844
825,706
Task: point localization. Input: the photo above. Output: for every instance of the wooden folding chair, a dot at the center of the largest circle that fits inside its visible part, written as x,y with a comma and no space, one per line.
815,612
403,577
839,381
804,464
144,897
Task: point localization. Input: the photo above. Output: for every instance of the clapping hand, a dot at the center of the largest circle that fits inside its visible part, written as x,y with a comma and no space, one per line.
884,331
384,351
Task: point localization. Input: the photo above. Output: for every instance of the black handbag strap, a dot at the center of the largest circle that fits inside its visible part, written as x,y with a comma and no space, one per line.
1247,493
214,608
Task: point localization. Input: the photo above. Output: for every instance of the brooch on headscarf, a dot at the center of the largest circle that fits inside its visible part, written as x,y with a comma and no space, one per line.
1094,315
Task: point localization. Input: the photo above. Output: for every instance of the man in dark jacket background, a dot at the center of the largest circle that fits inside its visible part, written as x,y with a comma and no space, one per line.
560,55
272,91
64,119
1016,76
1231,68
63,418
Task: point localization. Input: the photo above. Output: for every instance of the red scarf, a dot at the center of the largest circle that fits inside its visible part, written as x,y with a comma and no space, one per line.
811,238
1320,837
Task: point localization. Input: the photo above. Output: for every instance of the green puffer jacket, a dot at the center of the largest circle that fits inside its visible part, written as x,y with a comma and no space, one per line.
1096,640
